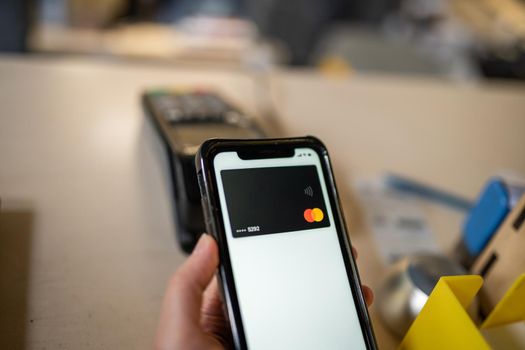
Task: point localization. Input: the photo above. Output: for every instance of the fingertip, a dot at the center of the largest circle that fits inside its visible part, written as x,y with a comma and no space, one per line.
369,295
208,246
202,263
354,252
203,244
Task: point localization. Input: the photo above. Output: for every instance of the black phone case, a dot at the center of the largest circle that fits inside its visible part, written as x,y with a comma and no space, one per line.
269,148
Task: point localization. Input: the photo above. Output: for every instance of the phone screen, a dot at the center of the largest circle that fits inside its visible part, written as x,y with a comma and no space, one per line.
288,267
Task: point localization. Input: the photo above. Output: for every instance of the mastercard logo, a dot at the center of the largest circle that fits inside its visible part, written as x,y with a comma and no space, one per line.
313,215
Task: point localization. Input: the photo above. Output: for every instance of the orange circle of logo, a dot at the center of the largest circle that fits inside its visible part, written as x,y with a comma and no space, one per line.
308,215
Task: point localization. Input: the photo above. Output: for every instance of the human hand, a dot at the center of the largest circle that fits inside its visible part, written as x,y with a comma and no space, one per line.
192,315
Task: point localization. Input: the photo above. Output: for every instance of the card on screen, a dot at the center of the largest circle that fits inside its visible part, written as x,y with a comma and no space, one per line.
274,200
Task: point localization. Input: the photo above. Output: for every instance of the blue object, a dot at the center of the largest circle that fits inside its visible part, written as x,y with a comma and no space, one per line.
482,222
425,191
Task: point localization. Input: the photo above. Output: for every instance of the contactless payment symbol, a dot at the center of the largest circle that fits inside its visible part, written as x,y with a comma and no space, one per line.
313,215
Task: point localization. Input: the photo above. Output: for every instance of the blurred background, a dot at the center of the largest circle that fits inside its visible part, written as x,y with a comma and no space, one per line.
457,39
420,102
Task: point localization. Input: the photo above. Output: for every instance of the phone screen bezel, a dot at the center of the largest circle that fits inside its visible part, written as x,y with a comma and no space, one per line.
264,149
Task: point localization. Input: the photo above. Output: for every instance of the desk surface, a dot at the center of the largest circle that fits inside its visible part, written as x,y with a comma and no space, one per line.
86,195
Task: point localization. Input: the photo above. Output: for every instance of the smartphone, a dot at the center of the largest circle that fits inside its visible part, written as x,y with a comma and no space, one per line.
287,275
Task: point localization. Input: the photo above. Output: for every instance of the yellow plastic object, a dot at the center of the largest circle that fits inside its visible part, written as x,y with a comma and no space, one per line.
335,66
511,308
443,322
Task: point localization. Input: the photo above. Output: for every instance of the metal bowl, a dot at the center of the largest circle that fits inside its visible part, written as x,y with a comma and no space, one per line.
407,286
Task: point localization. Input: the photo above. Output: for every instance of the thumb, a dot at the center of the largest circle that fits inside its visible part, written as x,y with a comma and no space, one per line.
181,309
193,277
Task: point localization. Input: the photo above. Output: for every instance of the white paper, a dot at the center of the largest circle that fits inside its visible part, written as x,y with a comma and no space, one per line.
396,220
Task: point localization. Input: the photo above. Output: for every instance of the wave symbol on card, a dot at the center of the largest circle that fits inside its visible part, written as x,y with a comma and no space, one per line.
309,191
